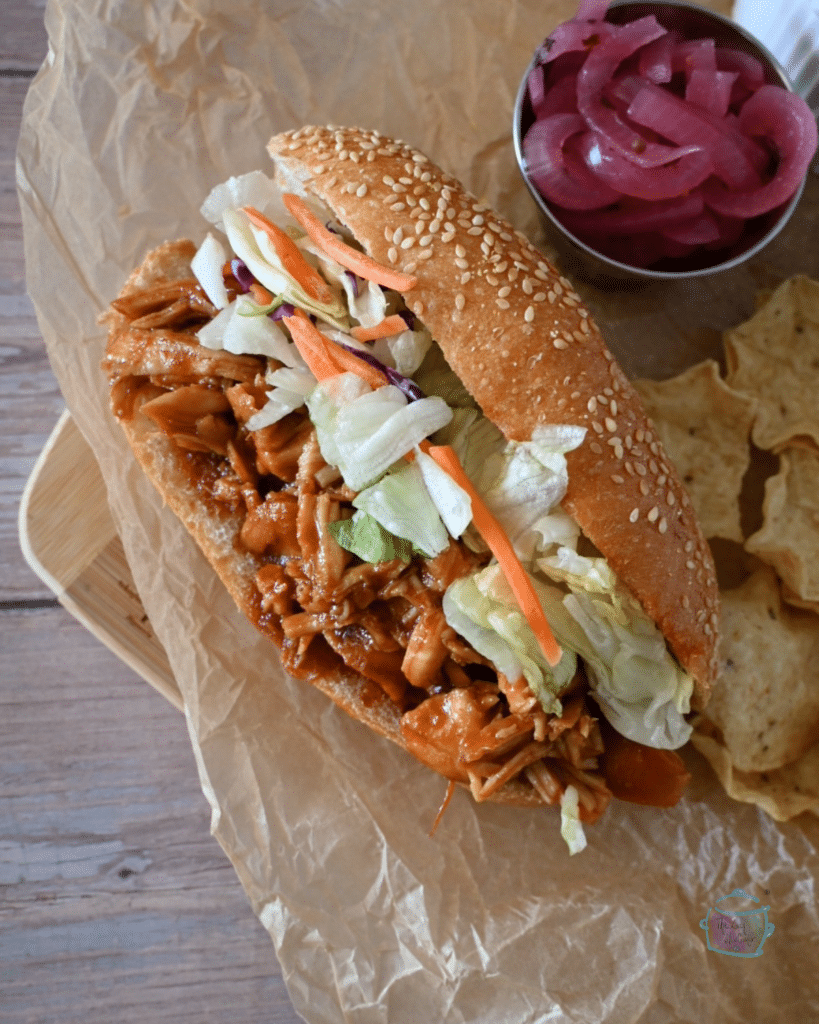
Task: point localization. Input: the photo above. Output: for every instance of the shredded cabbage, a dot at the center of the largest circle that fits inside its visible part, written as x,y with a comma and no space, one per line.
207,266
240,334
571,827
252,245
364,432
483,609
401,503
521,481
254,189
640,688
453,503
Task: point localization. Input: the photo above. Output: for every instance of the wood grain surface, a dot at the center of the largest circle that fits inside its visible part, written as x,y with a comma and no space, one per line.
116,904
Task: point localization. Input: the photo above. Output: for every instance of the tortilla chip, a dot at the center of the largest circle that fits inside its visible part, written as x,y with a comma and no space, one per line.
789,537
783,793
704,426
765,701
774,357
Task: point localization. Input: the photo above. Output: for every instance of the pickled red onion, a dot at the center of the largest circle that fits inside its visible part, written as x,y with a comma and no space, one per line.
675,133
775,114
666,113
572,188
655,59
634,218
600,66
653,183
710,90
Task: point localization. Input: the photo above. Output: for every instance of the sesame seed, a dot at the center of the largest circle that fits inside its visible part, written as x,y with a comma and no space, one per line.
611,426
398,207
578,336
477,219
425,239
551,297
408,243
529,315
460,252
410,267
448,236
502,303
644,488
398,236
653,515
635,515
686,603
690,565
425,254
617,479
613,407
591,405
388,180
460,301
596,427
424,203
392,255
595,447
504,292
539,296
559,343
662,526
475,231
466,277
461,264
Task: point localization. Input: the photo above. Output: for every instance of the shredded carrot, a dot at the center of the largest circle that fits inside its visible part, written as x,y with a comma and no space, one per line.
394,324
292,260
501,547
260,295
344,254
325,358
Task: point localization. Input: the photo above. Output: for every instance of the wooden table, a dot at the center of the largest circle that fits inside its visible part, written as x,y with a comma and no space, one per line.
115,902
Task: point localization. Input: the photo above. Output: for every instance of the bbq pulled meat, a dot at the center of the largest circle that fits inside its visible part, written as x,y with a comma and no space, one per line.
384,621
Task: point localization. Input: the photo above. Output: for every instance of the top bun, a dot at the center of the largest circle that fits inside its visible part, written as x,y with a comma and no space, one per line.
519,338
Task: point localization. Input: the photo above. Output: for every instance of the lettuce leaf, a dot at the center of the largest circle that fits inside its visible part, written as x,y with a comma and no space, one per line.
483,609
401,503
639,686
366,537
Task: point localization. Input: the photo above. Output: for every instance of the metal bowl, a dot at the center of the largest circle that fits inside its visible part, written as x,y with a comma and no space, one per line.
692,22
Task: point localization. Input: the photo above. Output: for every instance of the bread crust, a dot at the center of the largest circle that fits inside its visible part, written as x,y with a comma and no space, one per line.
519,338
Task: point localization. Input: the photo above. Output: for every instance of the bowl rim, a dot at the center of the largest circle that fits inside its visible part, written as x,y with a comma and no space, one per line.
624,270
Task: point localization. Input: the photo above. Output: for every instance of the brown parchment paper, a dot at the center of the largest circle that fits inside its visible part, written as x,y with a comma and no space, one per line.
139,109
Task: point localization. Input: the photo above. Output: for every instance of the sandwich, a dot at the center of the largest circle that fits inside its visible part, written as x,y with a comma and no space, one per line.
398,436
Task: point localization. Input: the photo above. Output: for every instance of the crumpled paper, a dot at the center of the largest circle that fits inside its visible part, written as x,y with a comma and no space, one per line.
138,110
